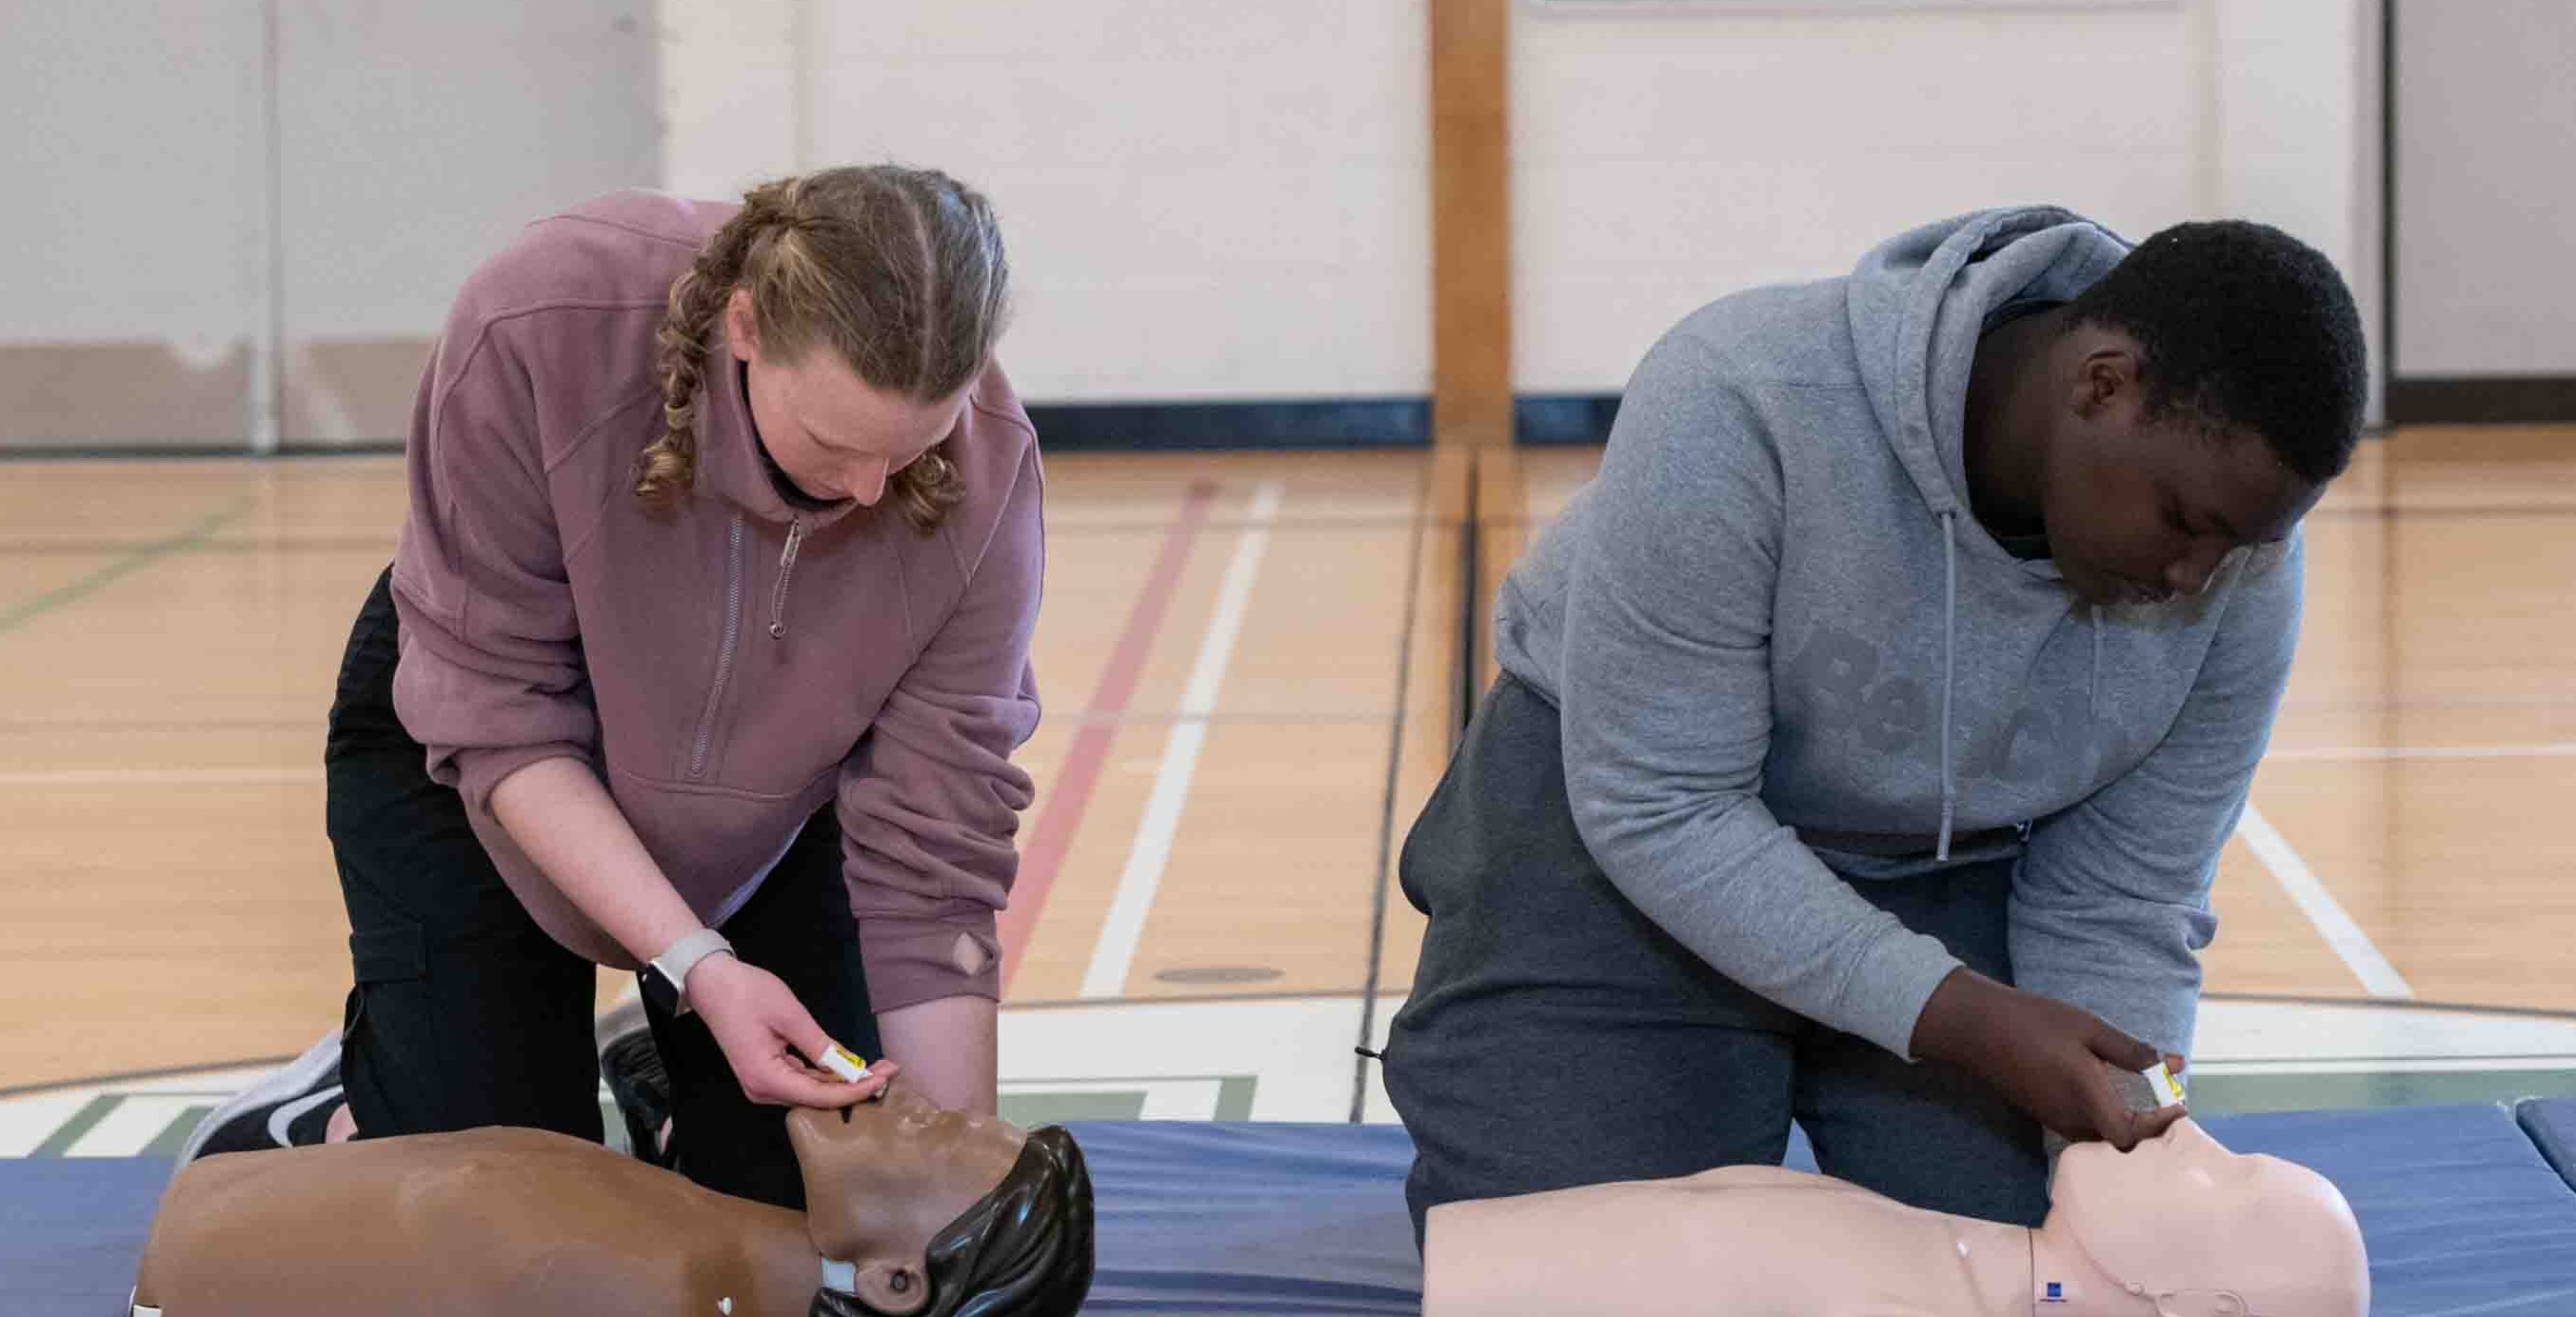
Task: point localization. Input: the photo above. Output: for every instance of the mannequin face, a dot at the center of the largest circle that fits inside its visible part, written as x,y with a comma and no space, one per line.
2210,1232
884,1178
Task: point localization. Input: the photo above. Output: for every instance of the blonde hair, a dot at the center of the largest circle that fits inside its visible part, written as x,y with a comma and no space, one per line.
898,272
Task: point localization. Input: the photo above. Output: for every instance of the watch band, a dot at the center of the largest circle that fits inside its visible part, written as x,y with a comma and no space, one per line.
680,957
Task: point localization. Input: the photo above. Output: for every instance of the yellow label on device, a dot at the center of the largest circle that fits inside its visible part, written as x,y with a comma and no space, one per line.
839,1061
2168,1089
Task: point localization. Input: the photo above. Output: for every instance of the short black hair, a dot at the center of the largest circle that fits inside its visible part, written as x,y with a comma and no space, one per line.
2243,325
1023,1250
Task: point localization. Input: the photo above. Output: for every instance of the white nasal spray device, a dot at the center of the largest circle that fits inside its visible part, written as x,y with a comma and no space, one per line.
838,1060
2168,1089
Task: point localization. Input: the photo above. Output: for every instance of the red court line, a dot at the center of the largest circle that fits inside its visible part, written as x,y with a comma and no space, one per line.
1070,794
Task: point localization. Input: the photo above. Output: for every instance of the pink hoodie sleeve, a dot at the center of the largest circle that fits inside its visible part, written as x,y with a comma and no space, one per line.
490,678
930,799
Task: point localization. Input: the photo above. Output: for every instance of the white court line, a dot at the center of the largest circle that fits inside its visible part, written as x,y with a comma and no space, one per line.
161,777
30,1120
2378,977
1152,850
2552,750
1164,1099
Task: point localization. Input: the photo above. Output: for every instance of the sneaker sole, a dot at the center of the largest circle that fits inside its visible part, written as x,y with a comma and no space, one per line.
284,1082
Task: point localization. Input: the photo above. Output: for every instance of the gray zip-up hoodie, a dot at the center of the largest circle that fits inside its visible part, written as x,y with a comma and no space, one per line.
1779,638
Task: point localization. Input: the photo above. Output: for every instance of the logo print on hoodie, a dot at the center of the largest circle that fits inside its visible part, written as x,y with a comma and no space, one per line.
1836,670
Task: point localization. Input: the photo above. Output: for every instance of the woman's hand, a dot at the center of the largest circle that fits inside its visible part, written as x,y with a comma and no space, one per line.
756,1019
2051,1060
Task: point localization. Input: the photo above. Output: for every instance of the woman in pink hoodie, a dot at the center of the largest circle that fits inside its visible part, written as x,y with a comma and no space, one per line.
704,653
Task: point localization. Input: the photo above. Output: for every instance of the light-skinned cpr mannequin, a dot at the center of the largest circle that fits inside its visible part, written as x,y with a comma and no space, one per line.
2179,1227
913,1211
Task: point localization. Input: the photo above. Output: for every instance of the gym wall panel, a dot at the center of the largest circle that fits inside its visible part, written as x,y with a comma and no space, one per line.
415,141
1663,158
163,257
2485,185
1202,200
1667,154
130,256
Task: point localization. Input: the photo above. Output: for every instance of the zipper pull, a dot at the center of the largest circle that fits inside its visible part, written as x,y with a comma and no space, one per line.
786,568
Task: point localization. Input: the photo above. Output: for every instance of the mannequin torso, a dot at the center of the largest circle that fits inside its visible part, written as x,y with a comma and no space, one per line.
521,1221
2181,1227
1753,1241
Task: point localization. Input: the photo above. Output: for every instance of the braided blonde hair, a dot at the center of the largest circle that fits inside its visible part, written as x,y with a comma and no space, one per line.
899,272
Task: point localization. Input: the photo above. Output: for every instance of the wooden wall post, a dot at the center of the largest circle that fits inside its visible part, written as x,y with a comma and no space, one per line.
1471,223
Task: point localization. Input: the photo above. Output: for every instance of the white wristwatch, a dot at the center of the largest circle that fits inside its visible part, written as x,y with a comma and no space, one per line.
665,981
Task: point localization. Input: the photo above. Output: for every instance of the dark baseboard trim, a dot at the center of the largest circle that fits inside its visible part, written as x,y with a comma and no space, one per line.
1134,427
2483,400
1115,427
1563,418
1572,418
84,452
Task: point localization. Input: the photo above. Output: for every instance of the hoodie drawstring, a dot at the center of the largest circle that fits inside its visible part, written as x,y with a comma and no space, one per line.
786,568
2093,688
1949,665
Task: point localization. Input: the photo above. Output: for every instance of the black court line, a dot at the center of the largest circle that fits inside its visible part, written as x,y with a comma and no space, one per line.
137,1076
1386,814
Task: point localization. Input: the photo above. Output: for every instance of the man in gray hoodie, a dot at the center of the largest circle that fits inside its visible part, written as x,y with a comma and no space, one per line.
1869,728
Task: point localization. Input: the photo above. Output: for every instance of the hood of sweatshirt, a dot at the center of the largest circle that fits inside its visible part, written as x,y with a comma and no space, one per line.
1918,305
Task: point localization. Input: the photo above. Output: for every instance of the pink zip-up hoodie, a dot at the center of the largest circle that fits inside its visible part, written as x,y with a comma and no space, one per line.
730,665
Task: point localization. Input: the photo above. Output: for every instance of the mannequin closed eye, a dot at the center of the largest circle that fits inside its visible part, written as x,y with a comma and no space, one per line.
2203,1303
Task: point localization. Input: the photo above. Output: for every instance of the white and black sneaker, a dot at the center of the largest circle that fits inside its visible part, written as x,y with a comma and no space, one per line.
633,1070
289,1107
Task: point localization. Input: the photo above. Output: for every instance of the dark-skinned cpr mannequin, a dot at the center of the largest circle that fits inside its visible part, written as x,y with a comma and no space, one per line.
913,1211
2179,1227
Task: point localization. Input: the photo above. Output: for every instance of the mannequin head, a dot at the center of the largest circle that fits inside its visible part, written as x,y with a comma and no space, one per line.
2208,1233
933,1208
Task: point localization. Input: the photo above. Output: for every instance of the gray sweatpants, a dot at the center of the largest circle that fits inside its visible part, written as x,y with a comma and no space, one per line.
1557,1037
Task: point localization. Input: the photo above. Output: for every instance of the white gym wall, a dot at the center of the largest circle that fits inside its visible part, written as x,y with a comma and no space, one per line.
1205,201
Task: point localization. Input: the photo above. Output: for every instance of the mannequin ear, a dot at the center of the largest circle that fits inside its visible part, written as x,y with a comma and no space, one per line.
894,1288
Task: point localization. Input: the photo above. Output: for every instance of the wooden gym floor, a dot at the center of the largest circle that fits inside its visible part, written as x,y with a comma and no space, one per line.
1250,665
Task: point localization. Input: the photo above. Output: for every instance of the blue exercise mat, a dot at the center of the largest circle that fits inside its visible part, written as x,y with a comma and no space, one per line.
2462,1212
1251,1218
2551,1123
71,1230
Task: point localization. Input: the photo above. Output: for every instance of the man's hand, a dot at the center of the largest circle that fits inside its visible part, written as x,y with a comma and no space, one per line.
755,1019
2044,1056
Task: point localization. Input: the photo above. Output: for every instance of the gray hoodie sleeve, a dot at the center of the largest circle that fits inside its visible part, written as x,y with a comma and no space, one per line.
1665,690
2111,907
